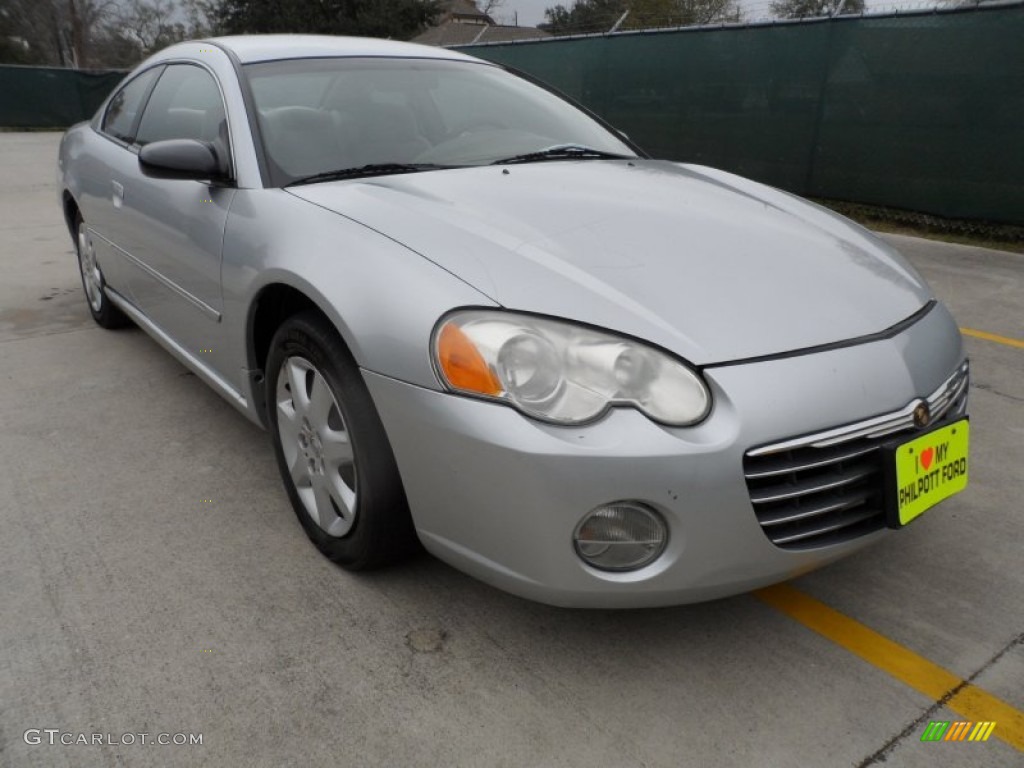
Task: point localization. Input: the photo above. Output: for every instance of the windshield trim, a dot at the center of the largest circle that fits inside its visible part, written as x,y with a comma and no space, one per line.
249,103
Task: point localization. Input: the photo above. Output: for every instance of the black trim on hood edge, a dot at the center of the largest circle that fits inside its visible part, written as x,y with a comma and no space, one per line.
888,333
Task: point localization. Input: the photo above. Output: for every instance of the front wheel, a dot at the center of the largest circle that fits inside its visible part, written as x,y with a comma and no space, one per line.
100,307
331,448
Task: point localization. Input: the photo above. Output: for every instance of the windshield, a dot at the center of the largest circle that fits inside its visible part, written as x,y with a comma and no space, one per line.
318,116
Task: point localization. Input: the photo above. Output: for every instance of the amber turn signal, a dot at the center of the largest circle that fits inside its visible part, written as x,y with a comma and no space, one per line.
462,365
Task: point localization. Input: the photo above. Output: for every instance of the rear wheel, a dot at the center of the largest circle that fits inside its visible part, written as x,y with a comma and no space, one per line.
332,450
100,307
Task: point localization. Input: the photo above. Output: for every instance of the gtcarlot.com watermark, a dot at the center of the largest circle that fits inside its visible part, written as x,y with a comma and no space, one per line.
55,736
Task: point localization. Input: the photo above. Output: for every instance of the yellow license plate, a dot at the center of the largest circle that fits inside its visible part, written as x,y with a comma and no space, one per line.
928,469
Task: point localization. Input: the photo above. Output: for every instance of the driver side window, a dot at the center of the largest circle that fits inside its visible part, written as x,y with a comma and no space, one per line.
186,104
123,109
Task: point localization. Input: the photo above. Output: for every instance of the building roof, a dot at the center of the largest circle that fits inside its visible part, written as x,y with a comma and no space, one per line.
465,10
458,33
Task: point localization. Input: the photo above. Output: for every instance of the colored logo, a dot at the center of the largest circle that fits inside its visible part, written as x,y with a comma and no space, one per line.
939,730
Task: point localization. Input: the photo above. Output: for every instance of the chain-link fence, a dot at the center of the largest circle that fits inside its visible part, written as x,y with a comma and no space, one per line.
920,111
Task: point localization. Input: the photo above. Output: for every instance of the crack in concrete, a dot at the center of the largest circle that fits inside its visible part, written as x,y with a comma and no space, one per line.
882,755
993,391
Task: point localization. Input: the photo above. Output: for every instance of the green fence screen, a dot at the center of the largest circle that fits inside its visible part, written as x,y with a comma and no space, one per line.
920,111
45,97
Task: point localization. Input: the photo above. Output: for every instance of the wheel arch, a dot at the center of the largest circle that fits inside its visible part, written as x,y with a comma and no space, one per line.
71,209
270,306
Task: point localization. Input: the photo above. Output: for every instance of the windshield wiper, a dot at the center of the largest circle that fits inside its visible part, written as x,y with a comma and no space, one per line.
373,169
561,152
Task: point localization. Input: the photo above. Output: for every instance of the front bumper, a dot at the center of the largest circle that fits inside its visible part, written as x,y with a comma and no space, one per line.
498,495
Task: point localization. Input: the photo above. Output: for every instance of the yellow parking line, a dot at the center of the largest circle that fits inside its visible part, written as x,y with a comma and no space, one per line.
906,666
993,337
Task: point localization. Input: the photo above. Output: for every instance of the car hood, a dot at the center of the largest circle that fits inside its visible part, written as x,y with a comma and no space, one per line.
709,265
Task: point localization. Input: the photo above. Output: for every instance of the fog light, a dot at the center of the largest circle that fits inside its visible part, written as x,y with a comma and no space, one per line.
621,537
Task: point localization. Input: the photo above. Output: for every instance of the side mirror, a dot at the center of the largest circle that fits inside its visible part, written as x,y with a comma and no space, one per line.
182,159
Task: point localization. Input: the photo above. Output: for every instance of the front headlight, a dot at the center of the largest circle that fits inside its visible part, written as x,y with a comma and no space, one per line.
563,373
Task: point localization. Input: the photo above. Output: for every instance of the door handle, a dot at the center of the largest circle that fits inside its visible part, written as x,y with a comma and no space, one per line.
118,195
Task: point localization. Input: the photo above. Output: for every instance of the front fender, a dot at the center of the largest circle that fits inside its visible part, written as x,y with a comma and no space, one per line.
382,297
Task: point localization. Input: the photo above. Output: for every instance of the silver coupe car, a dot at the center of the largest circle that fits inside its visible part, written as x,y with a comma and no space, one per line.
474,317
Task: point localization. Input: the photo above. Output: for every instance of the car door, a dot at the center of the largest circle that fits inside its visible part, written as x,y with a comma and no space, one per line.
173,229
105,161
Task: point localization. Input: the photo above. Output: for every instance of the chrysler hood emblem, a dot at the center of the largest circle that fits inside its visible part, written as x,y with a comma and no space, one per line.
922,415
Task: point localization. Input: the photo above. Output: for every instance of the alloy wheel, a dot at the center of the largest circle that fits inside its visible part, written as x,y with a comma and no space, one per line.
317,446
92,278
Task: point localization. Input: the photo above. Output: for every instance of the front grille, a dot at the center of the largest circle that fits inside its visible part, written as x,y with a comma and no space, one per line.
812,497
826,488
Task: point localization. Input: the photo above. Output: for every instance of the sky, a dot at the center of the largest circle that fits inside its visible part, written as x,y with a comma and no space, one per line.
531,12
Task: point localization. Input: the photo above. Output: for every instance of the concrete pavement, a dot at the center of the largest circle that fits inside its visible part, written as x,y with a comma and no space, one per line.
153,580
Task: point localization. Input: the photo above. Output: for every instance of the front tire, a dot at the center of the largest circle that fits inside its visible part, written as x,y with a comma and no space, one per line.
101,308
331,448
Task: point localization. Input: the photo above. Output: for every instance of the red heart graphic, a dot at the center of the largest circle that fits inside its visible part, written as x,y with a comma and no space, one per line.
926,457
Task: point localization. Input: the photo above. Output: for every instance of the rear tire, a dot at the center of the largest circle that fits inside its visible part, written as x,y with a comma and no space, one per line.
101,308
331,448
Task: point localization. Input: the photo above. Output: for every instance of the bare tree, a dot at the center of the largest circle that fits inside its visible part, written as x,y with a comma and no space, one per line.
54,32
490,6
678,13
84,19
804,9
600,15
399,19
204,17
142,27
583,16
34,32
149,24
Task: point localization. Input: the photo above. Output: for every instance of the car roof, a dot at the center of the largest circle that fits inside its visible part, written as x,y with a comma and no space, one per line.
253,48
